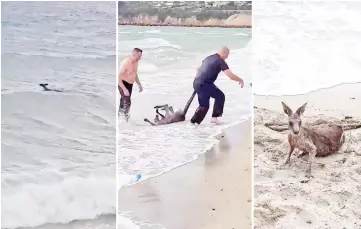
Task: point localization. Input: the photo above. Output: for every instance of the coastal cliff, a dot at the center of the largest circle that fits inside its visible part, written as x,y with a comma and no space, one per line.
187,14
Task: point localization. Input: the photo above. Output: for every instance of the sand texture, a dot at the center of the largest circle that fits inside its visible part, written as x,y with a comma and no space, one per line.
284,198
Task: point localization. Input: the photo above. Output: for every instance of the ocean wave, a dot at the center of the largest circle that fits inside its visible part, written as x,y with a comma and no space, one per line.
75,198
242,34
149,43
305,46
151,31
64,55
209,33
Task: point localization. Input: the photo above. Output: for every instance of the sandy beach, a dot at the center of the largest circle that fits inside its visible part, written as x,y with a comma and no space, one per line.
283,199
210,193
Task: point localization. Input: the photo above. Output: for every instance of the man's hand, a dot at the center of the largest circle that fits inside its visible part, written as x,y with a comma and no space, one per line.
234,77
241,83
139,84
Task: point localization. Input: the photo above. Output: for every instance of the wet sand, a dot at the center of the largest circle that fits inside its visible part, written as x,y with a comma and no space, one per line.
283,198
210,193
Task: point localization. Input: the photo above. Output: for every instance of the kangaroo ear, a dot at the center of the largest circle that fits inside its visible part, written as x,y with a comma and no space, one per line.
301,109
286,109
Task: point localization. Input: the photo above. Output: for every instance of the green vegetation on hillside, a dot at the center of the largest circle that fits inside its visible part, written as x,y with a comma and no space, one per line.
201,10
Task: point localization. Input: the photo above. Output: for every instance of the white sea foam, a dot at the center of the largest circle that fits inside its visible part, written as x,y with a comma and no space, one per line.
304,46
151,31
242,34
149,43
125,223
35,204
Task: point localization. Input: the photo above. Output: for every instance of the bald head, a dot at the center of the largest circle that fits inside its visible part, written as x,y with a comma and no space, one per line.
224,52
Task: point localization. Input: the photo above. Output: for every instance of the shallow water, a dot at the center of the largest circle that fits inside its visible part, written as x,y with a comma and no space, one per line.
58,149
167,70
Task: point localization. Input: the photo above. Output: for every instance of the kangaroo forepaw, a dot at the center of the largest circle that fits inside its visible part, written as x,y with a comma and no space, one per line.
309,174
287,162
301,154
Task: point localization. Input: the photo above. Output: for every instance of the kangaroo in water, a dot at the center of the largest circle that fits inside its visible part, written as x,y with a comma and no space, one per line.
170,116
44,85
321,140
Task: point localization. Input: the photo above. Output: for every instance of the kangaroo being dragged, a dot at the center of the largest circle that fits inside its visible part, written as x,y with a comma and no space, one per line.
170,116
320,140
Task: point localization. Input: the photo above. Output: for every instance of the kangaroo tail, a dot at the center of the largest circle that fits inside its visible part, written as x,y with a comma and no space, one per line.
346,127
189,103
151,123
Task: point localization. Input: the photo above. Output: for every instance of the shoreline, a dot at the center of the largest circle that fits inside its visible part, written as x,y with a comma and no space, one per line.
182,25
215,137
282,198
343,105
306,93
144,210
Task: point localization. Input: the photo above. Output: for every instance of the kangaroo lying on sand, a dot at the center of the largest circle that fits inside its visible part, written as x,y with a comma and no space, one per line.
320,140
170,116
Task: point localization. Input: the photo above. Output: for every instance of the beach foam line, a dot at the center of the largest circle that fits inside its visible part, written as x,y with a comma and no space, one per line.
242,34
151,31
151,43
124,222
75,198
305,93
126,180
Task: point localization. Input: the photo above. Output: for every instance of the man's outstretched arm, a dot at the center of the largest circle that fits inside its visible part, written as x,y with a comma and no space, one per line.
233,76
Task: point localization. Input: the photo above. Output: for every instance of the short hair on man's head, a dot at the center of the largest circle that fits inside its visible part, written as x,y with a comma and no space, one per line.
137,50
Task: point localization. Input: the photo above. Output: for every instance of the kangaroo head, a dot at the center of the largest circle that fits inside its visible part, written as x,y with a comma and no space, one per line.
294,119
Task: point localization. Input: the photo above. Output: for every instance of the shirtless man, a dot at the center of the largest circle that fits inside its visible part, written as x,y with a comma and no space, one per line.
128,74
205,88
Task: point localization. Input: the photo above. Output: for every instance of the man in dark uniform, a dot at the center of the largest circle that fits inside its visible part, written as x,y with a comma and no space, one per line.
205,88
